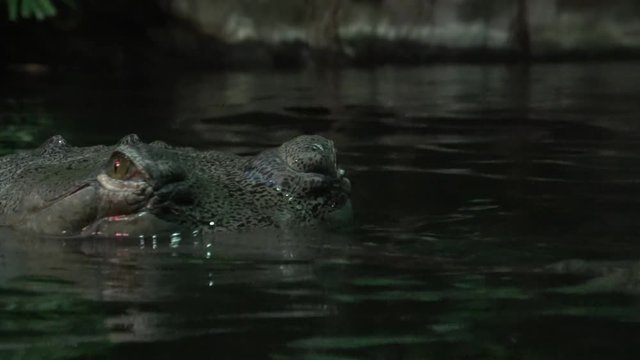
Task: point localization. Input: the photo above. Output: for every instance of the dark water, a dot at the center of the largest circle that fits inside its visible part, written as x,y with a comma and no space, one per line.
496,217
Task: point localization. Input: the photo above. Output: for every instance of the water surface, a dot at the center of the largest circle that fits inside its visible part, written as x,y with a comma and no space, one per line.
495,217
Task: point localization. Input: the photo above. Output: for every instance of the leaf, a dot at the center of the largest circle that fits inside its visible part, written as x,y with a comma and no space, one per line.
12,7
48,8
40,9
36,9
25,9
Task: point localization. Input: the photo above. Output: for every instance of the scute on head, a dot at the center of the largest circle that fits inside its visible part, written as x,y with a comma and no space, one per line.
161,144
130,139
52,145
54,141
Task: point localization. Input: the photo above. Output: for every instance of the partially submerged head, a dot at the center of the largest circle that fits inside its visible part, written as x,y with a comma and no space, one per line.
134,187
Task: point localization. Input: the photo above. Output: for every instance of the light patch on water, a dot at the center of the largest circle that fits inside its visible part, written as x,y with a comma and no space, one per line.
375,282
355,342
609,312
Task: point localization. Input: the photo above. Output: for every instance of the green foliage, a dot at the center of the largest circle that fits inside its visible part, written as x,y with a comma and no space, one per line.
38,9
24,124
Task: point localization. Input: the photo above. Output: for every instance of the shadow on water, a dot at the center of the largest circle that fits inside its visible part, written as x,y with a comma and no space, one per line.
495,218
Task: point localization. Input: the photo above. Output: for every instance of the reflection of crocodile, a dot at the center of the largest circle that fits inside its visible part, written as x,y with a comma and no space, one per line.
608,276
134,187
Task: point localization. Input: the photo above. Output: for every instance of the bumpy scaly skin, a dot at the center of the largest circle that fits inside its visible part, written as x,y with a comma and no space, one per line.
306,164
58,188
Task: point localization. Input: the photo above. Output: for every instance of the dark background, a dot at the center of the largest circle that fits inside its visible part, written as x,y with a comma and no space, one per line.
121,35
492,146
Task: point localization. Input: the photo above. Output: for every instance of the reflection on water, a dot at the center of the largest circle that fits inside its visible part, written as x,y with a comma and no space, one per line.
495,218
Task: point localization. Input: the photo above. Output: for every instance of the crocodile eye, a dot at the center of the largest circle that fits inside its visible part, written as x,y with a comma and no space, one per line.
122,168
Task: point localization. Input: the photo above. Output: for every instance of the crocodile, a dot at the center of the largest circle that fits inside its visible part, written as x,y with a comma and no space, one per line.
135,187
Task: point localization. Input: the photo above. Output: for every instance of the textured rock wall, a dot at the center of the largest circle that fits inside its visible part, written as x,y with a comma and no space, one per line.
187,34
553,24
